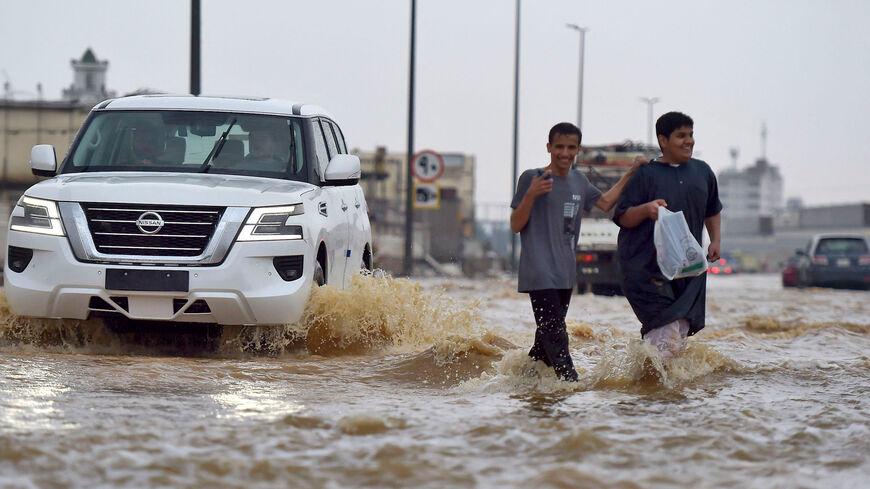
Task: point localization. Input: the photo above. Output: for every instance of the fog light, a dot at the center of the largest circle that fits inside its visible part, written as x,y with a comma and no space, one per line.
19,258
289,267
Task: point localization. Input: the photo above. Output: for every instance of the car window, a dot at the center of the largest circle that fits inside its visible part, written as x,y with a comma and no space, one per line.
330,138
841,246
342,148
320,149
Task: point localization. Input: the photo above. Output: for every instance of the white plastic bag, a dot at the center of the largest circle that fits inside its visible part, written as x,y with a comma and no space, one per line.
678,252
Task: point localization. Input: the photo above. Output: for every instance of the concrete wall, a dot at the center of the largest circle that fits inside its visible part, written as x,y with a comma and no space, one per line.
835,216
25,124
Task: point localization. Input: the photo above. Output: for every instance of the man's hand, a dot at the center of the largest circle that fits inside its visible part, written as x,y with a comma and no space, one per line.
639,161
713,251
651,209
540,185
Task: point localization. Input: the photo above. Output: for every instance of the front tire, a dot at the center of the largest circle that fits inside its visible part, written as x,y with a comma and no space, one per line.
318,277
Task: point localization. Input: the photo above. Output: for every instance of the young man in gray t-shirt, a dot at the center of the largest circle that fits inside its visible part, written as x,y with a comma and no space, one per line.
546,213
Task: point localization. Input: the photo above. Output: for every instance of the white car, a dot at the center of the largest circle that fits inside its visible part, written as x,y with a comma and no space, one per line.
193,209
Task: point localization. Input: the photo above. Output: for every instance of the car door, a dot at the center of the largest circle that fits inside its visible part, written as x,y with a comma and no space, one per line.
357,213
334,207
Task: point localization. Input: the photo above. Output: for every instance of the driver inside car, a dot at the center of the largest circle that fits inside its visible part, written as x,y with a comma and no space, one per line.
148,143
266,146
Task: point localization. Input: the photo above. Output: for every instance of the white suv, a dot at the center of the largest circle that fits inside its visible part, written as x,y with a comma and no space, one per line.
194,209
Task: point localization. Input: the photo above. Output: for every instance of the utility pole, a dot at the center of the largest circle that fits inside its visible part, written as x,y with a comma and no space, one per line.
408,261
516,126
649,101
38,113
194,47
582,31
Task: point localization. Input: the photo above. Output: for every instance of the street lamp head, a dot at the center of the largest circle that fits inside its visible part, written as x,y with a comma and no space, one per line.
576,27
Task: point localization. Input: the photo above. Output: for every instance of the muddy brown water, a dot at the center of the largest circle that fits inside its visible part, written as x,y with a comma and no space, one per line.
426,384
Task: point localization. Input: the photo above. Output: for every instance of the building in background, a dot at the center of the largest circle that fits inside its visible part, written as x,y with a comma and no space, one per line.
89,80
751,198
443,234
25,123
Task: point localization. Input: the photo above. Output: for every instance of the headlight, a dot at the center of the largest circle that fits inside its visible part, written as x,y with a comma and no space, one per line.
272,223
39,216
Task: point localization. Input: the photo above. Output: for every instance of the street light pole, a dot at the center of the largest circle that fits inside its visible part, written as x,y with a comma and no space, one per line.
649,101
516,125
194,47
408,259
582,31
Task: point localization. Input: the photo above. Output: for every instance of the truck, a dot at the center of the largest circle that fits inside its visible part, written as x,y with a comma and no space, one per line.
597,264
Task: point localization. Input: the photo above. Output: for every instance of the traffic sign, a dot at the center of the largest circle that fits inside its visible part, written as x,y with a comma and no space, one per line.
427,196
428,166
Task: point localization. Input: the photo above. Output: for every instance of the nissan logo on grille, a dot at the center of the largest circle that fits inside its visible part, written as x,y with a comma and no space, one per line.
150,222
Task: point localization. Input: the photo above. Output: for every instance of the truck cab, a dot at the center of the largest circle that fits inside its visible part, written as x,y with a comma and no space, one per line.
597,263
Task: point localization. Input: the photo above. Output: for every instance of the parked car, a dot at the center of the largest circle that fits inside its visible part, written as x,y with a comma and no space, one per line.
835,260
194,209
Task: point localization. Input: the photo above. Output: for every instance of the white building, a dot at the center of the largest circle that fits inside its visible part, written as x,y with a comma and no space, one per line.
89,80
751,193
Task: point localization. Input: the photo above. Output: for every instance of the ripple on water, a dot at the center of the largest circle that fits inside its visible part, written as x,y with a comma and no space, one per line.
569,477
369,424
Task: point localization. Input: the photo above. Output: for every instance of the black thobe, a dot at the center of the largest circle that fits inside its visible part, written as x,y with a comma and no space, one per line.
690,187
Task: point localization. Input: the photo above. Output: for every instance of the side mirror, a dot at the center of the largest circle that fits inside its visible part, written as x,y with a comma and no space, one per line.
43,160
342,170
800,252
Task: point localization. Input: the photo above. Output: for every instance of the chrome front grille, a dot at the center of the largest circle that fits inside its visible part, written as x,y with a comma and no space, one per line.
151,230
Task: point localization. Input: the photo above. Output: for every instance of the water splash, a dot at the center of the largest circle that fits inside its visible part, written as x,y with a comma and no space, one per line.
639,364
65,335
616,365
377,312
450,361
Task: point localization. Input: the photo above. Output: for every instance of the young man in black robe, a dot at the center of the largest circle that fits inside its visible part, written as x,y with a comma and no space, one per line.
669,311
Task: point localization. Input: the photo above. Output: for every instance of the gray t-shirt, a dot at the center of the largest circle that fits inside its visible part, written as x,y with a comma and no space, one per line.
547,257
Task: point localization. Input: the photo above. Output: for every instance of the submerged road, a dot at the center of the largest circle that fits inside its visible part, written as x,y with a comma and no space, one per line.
426,384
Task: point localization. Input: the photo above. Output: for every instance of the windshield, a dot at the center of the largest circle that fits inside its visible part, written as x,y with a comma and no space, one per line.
182,141
841,246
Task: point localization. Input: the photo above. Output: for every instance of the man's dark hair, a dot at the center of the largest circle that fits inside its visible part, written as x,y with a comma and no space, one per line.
670,122
566,129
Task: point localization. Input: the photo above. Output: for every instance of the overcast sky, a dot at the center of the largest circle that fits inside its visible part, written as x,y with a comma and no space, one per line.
802,66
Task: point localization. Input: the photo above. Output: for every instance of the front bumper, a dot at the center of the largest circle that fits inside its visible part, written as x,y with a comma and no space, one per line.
246,289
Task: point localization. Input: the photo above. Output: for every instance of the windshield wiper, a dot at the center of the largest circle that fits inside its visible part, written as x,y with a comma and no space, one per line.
216,149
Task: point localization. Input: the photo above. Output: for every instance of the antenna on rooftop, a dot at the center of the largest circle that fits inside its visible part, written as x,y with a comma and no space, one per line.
7,85
764,140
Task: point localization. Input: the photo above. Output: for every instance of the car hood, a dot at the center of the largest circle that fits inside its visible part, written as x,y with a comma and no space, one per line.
171,188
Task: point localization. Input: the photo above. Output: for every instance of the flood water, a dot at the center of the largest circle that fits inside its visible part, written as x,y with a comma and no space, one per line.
427,384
